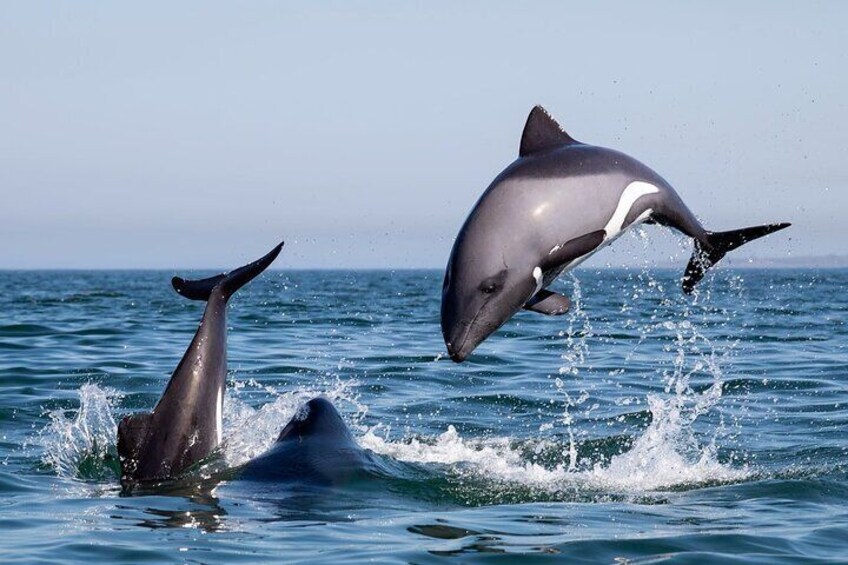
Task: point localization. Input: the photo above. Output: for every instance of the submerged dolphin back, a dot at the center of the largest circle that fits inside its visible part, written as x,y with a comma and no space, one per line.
315,447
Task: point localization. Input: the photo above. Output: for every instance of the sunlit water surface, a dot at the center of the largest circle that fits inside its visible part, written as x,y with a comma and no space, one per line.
642,426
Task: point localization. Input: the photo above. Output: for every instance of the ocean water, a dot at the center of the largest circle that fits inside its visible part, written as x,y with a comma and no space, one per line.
642,427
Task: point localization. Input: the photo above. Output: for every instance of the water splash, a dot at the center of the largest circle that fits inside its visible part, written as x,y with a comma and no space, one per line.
665,455
577,337
577,334
668,452
655,462
80,443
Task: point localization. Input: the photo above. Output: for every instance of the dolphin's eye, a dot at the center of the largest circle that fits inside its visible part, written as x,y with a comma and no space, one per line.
489,287
493,284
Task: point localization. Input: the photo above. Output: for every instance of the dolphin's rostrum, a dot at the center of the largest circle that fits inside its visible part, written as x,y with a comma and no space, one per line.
554,206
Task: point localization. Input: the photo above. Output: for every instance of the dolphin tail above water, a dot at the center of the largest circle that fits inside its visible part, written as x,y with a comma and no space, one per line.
228,283
186,424
714,245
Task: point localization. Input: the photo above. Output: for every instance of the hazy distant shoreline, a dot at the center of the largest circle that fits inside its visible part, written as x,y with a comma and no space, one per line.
801,262
812,262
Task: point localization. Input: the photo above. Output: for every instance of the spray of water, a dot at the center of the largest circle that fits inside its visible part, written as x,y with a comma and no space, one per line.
577,336
666,453
80,443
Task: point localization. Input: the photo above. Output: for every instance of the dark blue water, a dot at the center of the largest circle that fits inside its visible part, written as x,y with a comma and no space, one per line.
641,427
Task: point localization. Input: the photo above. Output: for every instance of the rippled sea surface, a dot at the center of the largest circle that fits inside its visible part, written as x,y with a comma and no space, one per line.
643,426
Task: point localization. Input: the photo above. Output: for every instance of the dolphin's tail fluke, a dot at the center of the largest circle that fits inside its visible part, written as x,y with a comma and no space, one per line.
229,283
717,245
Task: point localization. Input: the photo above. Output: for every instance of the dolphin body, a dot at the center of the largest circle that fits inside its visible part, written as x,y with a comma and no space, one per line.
553,207
186,424
315,447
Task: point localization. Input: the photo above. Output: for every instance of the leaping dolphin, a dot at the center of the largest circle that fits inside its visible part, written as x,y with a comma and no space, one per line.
186,424
553,207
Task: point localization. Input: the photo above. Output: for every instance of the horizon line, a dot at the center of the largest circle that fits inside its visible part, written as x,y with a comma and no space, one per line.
745,267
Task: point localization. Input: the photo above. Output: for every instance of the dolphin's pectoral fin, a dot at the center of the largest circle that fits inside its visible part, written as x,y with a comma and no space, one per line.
573,249
548,303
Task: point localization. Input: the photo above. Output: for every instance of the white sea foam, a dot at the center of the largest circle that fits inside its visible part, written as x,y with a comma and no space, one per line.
664,456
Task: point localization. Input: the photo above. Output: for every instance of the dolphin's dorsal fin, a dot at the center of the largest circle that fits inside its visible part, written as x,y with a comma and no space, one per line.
542,132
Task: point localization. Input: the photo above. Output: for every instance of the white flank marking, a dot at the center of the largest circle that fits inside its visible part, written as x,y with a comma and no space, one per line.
634,191
612,231
537,274
219,415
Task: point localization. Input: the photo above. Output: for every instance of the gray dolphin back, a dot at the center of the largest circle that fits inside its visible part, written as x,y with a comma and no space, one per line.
315,447
185,425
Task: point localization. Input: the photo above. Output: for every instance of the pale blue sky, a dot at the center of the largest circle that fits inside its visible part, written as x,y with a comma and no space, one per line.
163,135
